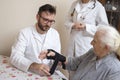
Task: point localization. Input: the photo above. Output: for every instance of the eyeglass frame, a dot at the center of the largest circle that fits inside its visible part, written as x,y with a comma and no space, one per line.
47,20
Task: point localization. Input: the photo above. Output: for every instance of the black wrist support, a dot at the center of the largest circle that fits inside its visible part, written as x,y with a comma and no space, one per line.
58,57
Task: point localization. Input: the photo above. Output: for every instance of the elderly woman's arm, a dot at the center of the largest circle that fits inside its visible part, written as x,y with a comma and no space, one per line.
66,63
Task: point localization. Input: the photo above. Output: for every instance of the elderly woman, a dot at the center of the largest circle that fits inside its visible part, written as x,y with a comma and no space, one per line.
99,63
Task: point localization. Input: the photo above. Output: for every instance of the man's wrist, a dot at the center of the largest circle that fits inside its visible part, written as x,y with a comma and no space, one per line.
32,66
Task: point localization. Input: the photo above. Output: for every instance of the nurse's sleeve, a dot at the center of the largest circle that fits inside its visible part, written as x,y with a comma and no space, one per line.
69,20
17,57
101,19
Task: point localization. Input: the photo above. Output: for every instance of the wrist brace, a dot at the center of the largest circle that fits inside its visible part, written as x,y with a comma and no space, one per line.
58,57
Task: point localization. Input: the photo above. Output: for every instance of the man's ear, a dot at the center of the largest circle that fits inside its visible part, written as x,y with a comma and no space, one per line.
37,17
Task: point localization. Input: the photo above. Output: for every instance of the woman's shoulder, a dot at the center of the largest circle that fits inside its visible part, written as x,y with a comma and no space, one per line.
99,4
113,63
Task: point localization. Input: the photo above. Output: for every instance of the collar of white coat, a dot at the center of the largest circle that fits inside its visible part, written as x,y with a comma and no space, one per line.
78,7
36,34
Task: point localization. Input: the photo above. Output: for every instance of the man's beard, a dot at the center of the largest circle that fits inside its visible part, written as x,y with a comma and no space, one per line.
40,27
43,28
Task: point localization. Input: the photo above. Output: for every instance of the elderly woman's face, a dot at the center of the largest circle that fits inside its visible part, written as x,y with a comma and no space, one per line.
98,48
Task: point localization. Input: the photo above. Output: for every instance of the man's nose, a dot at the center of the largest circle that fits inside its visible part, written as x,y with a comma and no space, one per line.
91,42
48,23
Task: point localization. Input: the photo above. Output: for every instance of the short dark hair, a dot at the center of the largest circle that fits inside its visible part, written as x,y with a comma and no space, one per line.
47,8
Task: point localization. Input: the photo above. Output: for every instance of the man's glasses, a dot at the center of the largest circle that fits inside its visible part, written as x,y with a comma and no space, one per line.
47,20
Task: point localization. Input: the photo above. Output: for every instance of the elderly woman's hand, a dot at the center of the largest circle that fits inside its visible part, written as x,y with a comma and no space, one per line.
43,54
46,53
52,54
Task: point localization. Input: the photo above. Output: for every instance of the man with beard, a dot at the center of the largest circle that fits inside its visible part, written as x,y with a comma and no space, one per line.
33,40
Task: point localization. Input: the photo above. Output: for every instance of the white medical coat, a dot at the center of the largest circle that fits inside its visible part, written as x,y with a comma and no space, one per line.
28,47
79,42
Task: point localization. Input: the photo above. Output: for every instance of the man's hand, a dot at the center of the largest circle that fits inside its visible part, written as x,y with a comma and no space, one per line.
41,69
52,54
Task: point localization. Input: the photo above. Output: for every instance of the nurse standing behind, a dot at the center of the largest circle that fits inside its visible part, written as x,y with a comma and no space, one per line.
83,20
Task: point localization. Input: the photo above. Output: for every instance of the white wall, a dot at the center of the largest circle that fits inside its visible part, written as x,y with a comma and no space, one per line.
17,14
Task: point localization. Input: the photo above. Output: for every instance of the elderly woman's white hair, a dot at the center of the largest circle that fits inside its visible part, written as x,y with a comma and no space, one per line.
111,37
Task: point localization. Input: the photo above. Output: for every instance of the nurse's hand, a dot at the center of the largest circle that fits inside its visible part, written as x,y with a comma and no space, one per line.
41,69
78,26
